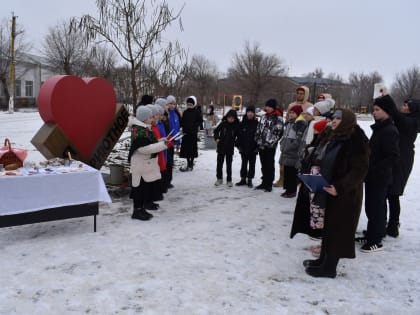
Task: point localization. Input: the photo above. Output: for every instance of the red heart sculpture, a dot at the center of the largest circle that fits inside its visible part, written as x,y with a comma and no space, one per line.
82,108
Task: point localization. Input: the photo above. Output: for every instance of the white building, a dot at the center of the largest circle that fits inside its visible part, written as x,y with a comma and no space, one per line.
30,72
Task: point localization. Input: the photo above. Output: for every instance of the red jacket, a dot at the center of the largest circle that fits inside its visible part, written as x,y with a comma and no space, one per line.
161,155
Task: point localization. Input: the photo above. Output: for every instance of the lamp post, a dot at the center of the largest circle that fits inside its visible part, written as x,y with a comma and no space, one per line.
12,65
314,89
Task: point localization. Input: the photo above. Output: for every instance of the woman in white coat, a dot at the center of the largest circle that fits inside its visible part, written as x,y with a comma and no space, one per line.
144,161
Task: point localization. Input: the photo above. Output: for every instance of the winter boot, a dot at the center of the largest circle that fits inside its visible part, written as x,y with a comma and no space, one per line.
151,206
328,269
218,182
242,182
315,262
392,229
141,214
250,183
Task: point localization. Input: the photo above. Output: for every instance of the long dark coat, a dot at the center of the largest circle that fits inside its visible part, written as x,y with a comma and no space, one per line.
343,211
190,122
407,127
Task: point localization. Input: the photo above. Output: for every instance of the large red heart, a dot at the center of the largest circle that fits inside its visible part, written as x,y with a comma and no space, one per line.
82,108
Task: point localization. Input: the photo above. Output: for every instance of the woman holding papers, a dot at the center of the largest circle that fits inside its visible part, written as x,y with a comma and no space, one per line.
343,158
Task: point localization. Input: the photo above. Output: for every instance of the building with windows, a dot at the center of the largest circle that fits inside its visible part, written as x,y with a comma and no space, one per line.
30,72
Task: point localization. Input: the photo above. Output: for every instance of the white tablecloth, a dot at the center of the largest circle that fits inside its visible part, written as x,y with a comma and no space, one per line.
19,194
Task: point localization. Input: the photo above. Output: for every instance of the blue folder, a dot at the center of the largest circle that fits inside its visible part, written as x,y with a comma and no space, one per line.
315,183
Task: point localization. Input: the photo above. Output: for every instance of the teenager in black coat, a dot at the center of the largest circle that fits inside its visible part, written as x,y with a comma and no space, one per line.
247,146
190,122
407,122
384,154
225,135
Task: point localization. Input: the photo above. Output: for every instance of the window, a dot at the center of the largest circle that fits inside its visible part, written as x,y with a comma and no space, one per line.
18,90
29,88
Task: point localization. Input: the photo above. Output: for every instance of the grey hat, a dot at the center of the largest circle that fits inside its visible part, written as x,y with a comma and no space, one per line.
170,99
158,110
161,102
143,112
152,108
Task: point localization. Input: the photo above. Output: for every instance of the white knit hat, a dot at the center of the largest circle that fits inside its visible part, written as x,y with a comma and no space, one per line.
310,110
325,106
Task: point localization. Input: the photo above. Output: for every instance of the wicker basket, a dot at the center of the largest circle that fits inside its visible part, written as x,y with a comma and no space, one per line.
8,156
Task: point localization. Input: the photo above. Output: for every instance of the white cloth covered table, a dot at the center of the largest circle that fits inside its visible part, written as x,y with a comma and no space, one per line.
61,187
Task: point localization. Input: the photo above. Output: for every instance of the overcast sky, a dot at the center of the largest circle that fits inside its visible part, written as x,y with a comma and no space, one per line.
335,35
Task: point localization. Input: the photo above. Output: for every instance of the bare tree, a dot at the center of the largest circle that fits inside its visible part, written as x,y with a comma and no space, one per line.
362,89
122,85
407,84
134,28
318,73
21,46
101,62
254,70
65,50
202,78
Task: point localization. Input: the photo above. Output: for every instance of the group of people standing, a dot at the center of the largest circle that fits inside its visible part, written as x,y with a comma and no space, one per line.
356,167
156,131
314,139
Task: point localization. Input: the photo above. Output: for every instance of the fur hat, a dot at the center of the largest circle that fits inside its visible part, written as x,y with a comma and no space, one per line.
272,102
143,112
250,108
170,99
320,125
192,100
325,106
296,109
386,103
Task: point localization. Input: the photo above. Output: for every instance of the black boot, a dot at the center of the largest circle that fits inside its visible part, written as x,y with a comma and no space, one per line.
312,262
250,183
393,229
151,206
241,183
328,269
316,262
141,214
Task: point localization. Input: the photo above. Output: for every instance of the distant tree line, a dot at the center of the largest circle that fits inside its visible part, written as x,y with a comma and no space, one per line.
126,44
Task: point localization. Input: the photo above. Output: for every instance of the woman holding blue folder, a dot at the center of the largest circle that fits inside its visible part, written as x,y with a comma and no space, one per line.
343,159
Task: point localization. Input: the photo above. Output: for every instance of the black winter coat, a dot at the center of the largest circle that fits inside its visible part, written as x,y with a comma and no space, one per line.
226,135
246,139
190,122
384,152
342,211
407,127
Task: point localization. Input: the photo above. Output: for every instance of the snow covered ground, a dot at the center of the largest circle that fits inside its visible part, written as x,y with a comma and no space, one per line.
207,251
